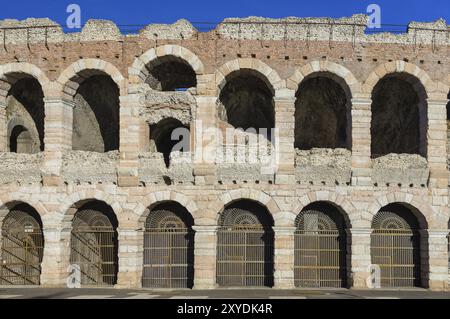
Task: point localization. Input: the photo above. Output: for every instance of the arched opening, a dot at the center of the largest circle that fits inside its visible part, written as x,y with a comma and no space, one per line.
168,247
169,135
20,140
323,113
94,244
96,114
395,246
245,246
170,73
399,116
22,246
320,247
246,102
25,114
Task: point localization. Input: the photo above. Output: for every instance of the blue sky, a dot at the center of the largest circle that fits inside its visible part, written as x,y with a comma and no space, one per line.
138,12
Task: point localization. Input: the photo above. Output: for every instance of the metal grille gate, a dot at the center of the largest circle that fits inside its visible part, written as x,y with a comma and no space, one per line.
244,250
168,251
319,250
395,247
22,249
94,248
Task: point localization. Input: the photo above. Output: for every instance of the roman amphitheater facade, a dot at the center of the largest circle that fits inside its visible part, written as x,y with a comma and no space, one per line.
87,177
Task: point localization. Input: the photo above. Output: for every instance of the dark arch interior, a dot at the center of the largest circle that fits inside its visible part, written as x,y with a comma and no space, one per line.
96,115
322,114
398,117
26,101
161,135
26,209
404,213
171,74
20,140
248,102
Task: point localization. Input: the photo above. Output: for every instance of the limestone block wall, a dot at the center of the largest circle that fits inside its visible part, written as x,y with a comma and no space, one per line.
281,53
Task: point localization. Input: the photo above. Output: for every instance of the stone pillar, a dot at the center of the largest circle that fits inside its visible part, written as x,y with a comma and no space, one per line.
437,142
130,258
205,138
437,259
284,257
205,252
58,137
359,239
3,128
361,140
53,268
284,146
132,139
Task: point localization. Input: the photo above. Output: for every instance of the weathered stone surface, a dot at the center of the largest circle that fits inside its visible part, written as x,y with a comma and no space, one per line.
401,168
89,167
21,168
323,165
153,170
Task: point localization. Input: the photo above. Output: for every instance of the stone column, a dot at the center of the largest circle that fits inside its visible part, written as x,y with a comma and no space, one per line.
284,257
53,268
437,258
3,129
58,137
437,142
361,140
205,252
205,145
132,139
130,258
360,256
284,146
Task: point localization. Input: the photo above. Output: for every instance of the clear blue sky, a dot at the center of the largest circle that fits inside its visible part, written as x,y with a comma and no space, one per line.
168,11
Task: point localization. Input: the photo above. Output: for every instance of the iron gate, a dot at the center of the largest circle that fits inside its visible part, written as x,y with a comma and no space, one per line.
94,248
22,249
319,250
168,251
244,250
395,247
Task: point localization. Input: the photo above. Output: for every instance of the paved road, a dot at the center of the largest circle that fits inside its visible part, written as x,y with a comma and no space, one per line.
100,293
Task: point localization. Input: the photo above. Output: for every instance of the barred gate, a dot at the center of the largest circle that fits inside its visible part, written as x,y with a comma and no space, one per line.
22,249
320,250
94,248
244,250
395,247
168,251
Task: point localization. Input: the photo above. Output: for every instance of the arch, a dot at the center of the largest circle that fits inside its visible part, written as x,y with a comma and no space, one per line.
70,79
323,105
245,245
76,200
138,72
252,65
344,206
398,247
168,256
257,196
321,246
8,76
144,206
414,203
399,67
339,71
22,245
8,202
94,244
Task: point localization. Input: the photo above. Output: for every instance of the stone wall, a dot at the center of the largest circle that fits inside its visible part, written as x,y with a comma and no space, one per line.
281,54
